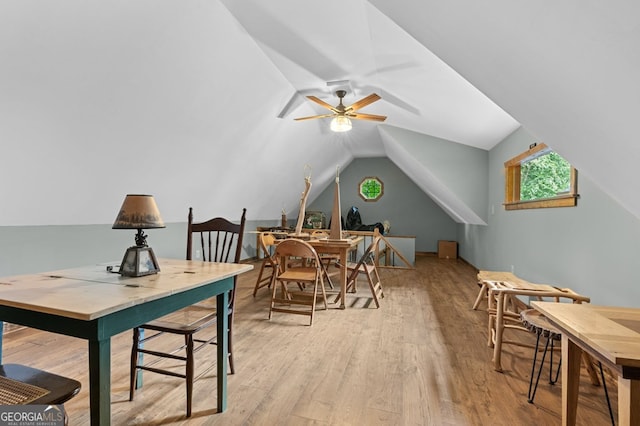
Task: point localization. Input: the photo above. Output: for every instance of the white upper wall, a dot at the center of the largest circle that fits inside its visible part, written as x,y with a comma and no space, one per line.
101,99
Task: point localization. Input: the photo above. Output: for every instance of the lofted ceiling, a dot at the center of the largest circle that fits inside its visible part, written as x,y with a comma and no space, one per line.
194,101
321,47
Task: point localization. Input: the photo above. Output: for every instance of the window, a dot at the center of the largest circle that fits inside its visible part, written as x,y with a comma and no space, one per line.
539,178
371,189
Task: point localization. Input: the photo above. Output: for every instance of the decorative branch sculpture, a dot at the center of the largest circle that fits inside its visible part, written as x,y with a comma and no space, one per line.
303,203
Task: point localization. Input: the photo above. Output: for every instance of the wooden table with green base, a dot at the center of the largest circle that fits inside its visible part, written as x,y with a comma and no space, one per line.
94,304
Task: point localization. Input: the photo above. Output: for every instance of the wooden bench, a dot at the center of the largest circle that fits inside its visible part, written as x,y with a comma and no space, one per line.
504,294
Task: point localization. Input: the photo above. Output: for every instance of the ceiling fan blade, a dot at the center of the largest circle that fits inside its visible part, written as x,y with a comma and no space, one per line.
313,116
363,102
372,117
322,103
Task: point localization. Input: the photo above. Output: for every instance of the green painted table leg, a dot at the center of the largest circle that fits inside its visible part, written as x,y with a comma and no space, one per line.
222,306
100,381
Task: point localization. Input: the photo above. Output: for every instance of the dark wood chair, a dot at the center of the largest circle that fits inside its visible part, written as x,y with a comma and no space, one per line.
365,266
220,241
20,385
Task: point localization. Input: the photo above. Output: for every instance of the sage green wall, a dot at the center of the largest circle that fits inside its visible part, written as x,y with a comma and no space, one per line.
592,248
31,249
452,173
409,210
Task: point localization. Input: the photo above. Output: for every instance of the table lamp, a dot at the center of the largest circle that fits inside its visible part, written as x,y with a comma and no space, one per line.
139,212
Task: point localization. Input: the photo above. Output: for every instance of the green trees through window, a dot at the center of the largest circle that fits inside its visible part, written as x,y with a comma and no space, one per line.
544,177
539,178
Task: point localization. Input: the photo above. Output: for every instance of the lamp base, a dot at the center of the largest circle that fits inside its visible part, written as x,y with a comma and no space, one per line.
139,261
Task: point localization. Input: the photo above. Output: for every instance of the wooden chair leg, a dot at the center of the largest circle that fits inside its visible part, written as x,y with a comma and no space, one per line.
134,362
313,302
374,284
324,294
325,271
190,368
373,292
261,282
274,289
482,294
491,319
499,331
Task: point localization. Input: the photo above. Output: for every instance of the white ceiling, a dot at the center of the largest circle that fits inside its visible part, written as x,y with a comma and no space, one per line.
320,47
194,101
568,71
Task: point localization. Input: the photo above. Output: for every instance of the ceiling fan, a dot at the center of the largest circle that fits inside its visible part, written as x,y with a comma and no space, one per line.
341,114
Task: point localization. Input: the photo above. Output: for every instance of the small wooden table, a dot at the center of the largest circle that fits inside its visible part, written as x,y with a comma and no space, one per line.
612,335
93,304
342,248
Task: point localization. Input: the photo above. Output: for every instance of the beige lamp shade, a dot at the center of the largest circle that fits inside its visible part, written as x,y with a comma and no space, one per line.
138,212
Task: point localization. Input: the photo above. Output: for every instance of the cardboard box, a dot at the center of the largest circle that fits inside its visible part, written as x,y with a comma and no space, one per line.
447,249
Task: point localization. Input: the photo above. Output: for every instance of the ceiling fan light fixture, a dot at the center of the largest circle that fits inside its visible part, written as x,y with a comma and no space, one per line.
340,123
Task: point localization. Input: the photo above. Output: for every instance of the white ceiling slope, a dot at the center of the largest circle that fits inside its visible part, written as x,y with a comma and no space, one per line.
194,101
319,50
320,47
568,71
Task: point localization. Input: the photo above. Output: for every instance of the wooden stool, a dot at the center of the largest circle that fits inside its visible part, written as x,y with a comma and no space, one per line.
540,325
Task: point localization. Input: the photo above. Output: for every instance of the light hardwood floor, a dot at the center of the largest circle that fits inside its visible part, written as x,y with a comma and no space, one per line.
421,359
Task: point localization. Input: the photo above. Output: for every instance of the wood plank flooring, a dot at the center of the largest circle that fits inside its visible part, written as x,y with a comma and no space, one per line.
421,359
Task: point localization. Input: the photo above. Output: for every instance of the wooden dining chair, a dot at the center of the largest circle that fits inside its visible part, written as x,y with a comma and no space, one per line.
365,266
21,385
219,241
268,266
307,275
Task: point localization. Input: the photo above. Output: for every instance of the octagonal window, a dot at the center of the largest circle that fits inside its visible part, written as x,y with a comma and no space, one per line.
371,189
